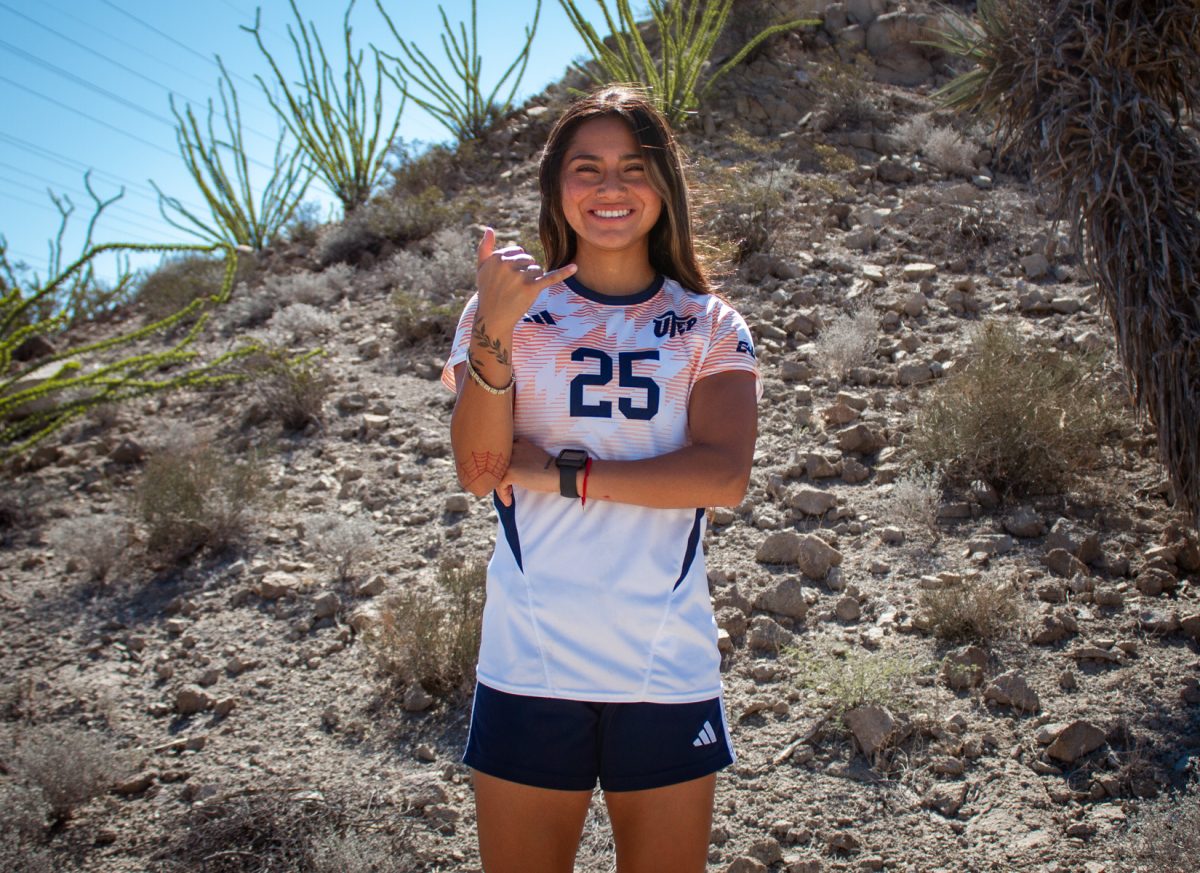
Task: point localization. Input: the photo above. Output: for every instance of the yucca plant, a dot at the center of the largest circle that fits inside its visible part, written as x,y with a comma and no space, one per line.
344,142
39,398
463,110
1096,95
688,32
236,216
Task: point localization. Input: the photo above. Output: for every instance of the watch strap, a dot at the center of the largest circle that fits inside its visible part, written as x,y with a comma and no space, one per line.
566,481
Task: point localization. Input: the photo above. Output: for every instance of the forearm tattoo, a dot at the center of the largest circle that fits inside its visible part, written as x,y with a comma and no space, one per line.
481,464
483,341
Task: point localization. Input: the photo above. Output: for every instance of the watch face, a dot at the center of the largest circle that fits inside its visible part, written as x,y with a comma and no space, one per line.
571,458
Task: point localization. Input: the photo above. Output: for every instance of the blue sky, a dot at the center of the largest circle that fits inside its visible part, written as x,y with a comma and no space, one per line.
85,84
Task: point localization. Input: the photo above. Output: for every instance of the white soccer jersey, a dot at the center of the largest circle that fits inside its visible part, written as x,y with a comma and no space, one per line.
606,602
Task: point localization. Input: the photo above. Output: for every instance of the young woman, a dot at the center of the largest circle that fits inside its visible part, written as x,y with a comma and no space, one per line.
605,401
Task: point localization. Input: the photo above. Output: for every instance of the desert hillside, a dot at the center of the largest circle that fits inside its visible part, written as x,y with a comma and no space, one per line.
959,613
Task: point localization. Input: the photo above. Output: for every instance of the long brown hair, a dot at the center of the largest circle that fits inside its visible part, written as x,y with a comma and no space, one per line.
672,252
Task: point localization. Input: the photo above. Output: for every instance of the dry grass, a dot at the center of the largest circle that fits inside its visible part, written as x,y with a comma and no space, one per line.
67,766
284,830
744,208
914,499
432,639
847,341
1021,417
842,678
344,543
1164,837
391,218
292,389
95,542
176,282
192,496
977,609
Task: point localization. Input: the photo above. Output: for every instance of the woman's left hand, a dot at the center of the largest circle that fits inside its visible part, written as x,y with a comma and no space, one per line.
531,467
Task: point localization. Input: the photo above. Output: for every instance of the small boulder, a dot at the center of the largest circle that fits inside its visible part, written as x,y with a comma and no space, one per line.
786,597
1075,740
1011,689
871,725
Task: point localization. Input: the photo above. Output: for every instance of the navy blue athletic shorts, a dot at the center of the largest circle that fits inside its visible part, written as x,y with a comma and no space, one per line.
569,744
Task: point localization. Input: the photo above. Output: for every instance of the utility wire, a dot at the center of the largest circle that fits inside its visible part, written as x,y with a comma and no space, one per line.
53,183
43,206
126,68
113,127
110,211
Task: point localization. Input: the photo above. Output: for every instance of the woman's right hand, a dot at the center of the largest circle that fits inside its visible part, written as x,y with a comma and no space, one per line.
509,280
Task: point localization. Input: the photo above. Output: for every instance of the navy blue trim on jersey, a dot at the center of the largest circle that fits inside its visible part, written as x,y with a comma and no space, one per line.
689,553
508,520
616,299
566,745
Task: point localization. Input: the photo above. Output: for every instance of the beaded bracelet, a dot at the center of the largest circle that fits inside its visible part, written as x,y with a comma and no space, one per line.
482,383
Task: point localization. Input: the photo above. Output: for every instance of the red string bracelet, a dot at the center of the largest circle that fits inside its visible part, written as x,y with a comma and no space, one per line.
587,468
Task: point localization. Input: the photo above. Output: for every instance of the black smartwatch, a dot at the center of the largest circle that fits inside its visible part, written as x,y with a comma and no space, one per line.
569,462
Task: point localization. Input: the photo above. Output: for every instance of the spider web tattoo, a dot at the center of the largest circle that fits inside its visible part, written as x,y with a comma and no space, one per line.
482,464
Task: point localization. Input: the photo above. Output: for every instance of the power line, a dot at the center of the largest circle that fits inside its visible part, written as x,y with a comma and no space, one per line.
126,68
56,184
171,39
43,206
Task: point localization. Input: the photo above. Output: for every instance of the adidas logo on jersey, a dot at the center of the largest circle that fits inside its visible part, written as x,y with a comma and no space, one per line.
706,737
542,317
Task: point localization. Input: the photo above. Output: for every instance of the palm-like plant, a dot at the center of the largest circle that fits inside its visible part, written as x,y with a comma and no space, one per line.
1097,96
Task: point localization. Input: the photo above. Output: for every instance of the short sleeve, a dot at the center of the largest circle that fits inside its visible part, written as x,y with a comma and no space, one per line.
730,347
462,341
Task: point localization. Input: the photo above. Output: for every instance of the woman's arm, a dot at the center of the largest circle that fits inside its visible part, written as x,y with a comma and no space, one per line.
713,470
481,425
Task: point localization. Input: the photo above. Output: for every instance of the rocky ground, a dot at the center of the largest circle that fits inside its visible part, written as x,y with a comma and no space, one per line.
868,737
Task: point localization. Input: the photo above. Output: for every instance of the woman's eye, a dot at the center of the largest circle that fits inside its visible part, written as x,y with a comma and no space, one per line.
634,168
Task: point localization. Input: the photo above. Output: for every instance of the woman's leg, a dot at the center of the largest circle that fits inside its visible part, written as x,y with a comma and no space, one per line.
663,830
523,829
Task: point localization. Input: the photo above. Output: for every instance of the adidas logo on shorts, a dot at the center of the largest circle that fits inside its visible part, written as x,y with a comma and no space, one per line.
706,737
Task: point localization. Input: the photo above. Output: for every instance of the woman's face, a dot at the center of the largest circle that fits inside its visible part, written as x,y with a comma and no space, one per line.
607,198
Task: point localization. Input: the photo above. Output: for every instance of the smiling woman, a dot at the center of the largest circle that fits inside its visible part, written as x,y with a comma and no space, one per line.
605,402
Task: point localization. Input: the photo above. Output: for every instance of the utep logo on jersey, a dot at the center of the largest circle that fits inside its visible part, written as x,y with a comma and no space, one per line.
671,325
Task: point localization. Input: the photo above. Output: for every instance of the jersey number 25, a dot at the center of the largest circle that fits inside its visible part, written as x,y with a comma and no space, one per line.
627,379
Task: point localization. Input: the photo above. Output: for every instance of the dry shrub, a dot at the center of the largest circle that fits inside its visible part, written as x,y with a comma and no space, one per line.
298,322
1021,417
430,283
1164,837
317,289
278,830
949,152
292,389
847,341
192,496
973,609
745,206
67,765
847,95
391,218
178,281
97,542
844,678
432,639
914,499
342,542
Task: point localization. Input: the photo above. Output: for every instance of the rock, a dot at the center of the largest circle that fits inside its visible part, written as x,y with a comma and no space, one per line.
1153,581
326,605
854,471
127,451
1054,628
417,699
1011,689
892,172
913,373
134,784
1190,692
847,609
371,587
1035,266
860,438
843,841
914,304
963,668
839,414
1159,621
277,584
815,557
224,706
1190,625
1075,740
786,597
364,618
779,548
795,371
1024,522
871,725
456,504
817,466
864,11
767,850
767,635
946,797
1063,563
192,699
746,864
1096,653
812,501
